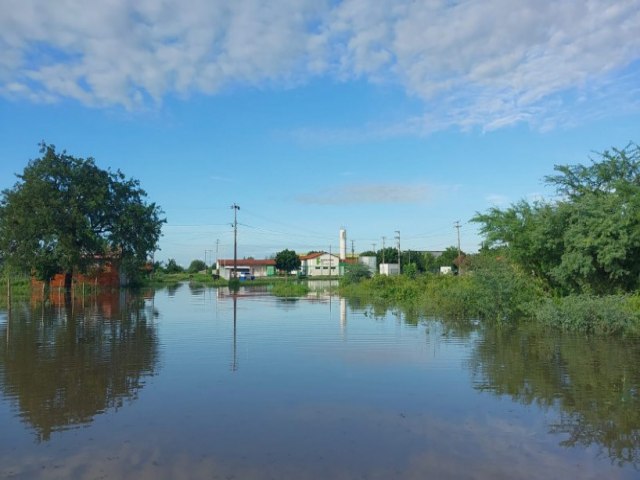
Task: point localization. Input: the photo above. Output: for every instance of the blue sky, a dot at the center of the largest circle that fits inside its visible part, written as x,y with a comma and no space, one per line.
312,115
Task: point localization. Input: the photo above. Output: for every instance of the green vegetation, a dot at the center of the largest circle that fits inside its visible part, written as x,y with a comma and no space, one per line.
20,287
196,266
64,213
287,261
162,278
608,314
172,267
588,242
495,291
571,264
290,289
355,273
498,291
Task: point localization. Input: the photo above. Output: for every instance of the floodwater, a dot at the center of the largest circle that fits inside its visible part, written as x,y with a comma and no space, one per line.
195,383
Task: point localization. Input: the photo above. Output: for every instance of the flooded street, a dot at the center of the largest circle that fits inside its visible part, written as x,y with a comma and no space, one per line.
192,382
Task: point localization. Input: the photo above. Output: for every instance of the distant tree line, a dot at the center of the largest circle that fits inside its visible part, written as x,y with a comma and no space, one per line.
171,266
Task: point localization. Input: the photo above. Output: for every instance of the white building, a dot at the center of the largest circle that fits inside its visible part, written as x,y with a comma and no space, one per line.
370,262
320,264
389,269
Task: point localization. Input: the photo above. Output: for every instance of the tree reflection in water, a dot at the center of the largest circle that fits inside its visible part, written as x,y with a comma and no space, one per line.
593,383
63,364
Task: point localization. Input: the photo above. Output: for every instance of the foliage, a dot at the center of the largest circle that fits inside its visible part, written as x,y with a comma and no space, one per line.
588,241
496,290
287,261
196,266
410,270
356,272
64,212
289,289
387,255
500,290
609,314
429,263
173,267
449,258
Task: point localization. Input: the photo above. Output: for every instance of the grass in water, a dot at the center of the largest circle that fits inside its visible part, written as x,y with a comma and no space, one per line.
287,289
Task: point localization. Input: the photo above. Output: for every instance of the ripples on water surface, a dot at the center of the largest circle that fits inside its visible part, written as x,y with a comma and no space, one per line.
194,383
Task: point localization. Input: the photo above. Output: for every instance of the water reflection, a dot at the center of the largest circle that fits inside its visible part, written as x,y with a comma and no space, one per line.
593,384
63,363
234,363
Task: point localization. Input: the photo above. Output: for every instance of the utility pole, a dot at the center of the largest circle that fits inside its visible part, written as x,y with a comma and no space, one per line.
383,239
217,245
353,250
399,256
457,226
235,239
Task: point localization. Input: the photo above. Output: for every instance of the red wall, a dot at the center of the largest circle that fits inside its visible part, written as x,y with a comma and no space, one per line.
108,277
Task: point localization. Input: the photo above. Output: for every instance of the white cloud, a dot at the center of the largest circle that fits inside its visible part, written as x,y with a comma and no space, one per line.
485,64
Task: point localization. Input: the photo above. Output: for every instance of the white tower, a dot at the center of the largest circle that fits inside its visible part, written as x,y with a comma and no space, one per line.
343,244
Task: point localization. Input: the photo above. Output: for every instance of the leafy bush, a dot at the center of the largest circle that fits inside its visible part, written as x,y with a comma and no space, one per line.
410,270
608,314
500,289
196,266
355,273
173,267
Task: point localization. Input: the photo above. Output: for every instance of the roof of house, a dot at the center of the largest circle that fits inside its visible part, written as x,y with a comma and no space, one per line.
313,255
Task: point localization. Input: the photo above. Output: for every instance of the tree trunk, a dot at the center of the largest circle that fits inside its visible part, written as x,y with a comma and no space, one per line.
68,277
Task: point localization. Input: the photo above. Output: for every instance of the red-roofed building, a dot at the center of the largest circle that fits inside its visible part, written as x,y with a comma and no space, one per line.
317,264
247,268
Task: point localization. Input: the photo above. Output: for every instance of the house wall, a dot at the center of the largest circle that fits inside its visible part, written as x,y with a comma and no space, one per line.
322,265
389,269
370,262
255,270
108,276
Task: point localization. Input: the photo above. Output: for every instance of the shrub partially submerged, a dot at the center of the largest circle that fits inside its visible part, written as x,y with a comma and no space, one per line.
610,314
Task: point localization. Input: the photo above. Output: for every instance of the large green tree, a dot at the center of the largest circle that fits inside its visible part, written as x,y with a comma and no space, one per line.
64,213
287,261
196,266
587,241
